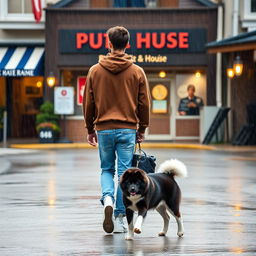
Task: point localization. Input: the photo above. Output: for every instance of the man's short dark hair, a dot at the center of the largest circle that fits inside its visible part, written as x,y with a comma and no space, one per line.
191,86
119,37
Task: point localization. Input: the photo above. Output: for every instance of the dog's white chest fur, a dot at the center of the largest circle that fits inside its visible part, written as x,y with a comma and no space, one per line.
134,200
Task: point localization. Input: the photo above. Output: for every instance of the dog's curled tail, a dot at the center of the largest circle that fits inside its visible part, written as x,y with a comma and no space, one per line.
173,167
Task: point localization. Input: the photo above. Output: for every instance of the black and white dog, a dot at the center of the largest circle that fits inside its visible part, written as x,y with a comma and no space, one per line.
159,191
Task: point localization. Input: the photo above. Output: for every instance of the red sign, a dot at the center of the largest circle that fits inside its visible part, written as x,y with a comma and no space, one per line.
148,40
81,82
37,10
142,41
64,92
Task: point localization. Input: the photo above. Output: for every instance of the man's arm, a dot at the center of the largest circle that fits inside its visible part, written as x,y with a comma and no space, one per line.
182,108
197,104
89,110
143,104
201,103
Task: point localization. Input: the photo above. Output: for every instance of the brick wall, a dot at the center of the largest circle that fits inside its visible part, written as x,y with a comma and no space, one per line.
75,130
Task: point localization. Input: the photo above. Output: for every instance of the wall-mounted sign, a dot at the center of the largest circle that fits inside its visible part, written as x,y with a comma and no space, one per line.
17,72
159,106
182,91
141,41
81,83
159,92
64,100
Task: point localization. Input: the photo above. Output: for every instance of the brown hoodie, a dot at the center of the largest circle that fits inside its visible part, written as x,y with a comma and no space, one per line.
116,95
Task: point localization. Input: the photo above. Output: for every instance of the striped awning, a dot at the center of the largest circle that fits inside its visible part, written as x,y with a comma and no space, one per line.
21,61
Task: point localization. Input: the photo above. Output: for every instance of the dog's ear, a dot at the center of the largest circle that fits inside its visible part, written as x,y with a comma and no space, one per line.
125,176
139,174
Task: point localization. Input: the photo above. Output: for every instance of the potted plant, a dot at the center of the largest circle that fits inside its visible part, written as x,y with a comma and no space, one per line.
47,124
1,122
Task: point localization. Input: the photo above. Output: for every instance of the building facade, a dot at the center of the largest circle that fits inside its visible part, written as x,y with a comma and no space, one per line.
21,66
168,40
239,42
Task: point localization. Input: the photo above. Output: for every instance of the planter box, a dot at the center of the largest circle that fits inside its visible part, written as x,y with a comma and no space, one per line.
47,135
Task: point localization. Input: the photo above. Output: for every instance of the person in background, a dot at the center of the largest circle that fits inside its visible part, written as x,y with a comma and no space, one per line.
190,105
116,104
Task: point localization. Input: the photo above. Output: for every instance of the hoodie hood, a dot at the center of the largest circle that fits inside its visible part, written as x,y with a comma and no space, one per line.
116,62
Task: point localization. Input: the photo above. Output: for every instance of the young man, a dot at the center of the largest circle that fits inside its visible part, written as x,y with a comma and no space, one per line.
116,103
190,105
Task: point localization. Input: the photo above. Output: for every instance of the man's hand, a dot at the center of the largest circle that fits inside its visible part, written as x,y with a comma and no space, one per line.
182,113
92,139
191,105
139,137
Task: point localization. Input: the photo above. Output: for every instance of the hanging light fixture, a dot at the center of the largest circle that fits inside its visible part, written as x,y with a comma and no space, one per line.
198,74
238,66
230,72
51,80
39,84
162,74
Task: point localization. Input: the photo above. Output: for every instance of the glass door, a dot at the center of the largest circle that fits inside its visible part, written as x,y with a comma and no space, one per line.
160,116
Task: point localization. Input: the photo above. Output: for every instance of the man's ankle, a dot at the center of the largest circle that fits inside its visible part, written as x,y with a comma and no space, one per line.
108,201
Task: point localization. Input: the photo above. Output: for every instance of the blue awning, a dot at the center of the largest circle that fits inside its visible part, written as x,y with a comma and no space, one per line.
245,42
21,61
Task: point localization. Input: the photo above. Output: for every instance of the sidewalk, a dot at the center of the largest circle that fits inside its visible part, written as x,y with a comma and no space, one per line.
50,206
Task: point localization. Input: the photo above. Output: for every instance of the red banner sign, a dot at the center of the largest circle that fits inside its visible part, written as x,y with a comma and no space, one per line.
81,82
37,10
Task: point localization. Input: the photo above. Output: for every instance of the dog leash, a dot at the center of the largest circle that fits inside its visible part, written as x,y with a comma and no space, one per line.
140,154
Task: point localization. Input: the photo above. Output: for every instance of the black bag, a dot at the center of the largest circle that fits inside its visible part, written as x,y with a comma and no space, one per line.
143,161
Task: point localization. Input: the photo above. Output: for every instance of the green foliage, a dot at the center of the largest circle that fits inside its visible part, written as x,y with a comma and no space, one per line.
47,107
47,118
54,127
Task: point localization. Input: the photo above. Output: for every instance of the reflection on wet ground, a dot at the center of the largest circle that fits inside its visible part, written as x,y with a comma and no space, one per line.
49,206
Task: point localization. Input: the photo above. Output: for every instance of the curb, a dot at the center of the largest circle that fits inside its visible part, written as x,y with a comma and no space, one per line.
87,146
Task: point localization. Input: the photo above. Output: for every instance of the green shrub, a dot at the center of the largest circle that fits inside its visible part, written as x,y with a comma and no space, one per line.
47,118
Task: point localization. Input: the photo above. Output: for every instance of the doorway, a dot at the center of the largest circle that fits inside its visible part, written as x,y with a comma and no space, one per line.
24,97
162,99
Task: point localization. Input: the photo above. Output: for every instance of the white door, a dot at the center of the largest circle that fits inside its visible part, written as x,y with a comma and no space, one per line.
162,101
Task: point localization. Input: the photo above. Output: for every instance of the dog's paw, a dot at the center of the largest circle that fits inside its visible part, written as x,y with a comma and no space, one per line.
137,230
180,234
129,238
161,233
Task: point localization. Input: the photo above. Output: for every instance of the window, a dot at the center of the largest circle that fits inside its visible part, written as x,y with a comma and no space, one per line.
185,79
19,7
129,3
74,78
253,5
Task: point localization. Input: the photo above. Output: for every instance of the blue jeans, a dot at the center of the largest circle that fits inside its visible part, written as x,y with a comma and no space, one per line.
114,142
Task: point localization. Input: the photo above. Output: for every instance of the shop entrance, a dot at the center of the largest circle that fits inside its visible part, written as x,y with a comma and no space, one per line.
160,127
24,97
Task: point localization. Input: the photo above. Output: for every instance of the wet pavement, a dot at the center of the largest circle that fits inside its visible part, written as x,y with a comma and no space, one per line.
49,206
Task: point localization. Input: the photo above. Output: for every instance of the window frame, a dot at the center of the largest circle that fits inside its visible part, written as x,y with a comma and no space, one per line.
19,20
248,14
251,7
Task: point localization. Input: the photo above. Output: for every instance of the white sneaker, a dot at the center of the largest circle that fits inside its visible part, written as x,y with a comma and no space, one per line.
108,224
119,226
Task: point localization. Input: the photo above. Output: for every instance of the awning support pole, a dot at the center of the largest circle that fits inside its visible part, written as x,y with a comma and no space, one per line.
219,58
5,130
